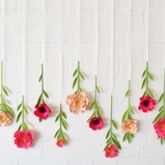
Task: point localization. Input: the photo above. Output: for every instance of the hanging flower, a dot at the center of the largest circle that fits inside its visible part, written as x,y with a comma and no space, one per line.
111,151
95,120
60,143
147,103
112,143
78,102
23,139
6,112
96,123
159,121
60,135
129,126
42,111
5,118
159,127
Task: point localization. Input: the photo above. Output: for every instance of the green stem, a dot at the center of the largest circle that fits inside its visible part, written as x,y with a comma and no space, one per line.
147,76
129,94
60,119
42,81
111,113
95,88
78,87
23,113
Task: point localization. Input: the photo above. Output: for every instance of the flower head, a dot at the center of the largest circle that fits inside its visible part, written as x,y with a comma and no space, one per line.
147,103
23,139
78,102
5,118
159,127
96,123
129,126
42,111
60,143
111,151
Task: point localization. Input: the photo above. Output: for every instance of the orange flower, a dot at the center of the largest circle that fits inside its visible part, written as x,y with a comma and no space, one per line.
78,102
5,118
129,126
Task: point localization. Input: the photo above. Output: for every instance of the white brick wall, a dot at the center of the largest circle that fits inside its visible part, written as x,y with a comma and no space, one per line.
85,147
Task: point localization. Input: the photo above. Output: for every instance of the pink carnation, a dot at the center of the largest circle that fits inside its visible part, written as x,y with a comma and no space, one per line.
159,127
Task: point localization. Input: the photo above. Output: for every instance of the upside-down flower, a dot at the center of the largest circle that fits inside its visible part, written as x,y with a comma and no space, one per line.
96,123
111,151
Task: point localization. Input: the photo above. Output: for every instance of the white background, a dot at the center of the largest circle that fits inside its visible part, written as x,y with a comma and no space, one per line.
85,147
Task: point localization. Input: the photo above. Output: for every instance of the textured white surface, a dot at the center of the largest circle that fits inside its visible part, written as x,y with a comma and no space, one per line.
85,147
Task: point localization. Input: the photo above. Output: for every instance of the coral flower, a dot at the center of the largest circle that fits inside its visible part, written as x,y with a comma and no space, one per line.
147,103
60,143
78,102
96,123
111,151
42,111
129,126
23,139
159,127
5,118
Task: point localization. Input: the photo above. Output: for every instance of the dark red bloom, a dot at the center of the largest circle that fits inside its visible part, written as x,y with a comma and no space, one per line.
23,139
111,151
96,123
42,111
147,103
60,143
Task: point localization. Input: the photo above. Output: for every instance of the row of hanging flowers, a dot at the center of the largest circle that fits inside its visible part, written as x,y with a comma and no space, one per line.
78,102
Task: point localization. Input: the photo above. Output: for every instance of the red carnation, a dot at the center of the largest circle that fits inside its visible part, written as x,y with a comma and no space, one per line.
147,103
159,127
23,139
42,111
96,123
60,143
111,151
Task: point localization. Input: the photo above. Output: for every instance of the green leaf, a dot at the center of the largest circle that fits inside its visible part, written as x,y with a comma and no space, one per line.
46,94
57,118
93,104
40,78
114,123
143,83
125,137
75,72
5,90
64,114
39,100
19,107
97,89
18,117
144,73
74,82
159,116
57,133
64,123
127,93
116,142
161,97
125,116
151,76
108,133
82,76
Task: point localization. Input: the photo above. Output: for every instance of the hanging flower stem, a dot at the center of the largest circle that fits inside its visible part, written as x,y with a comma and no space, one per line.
23,111
5,93
97,110
78,76
147,76
111,137
127,116
60,134
161,114
43,94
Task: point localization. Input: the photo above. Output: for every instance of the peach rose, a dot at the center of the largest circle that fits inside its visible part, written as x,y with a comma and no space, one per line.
78,102
129,126
5,118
